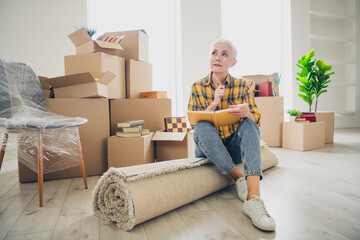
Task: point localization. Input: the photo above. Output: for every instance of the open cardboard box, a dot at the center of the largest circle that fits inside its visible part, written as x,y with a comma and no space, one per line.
174,145
82,85
99,63
124,152
264,78
134,45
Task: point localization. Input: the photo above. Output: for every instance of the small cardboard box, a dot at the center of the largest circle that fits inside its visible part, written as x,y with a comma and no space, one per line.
95,63
93,137
82,85
174,145
152,111
138,78
154,94
328,118
134,45
303,136
124,152
272,116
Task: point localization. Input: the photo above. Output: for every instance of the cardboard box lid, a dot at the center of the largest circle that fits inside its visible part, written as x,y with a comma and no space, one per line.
80,37
168,136
44,82
79,78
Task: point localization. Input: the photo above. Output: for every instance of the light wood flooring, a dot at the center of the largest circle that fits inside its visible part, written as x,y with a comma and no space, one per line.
311,195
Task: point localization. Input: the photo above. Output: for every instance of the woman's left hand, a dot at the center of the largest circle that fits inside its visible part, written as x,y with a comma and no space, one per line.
241,110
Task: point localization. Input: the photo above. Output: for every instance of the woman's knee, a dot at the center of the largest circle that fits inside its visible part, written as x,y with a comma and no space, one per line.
202,128
249,126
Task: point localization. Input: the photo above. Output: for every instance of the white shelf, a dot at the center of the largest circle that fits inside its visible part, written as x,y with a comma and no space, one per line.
342,85
332,62
339,40
329,15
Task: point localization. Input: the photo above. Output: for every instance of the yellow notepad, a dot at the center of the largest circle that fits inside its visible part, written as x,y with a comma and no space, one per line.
217,118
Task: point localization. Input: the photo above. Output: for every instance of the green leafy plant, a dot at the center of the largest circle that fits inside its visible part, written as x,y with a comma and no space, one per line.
313,78
321,79
293,112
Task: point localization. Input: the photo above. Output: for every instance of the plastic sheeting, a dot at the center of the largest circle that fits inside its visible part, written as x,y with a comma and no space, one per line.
24,111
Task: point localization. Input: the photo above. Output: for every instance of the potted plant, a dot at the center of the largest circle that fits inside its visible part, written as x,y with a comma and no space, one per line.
313,79
293,114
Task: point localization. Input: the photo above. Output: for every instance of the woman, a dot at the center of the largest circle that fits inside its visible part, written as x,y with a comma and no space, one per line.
229,145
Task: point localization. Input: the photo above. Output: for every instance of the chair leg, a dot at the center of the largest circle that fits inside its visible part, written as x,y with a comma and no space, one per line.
81,158
3,148
41,168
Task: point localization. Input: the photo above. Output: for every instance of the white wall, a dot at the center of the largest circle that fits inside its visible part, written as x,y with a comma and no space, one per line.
200,26
35,32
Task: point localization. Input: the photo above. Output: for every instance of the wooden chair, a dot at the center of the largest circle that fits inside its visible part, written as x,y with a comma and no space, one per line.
23,109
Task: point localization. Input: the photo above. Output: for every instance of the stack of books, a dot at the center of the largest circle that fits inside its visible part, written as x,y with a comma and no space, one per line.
308,117
132,128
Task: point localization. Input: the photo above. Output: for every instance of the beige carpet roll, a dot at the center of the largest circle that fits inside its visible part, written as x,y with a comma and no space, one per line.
131,195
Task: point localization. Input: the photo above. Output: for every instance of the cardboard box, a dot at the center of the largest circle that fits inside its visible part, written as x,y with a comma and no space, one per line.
154,94
152,111
174,145
124,152
82,85
328,118
272,116
99,63
93,137
303,136
134,45
138,78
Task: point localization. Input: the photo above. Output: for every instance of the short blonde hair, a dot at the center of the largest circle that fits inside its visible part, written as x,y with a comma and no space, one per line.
229,43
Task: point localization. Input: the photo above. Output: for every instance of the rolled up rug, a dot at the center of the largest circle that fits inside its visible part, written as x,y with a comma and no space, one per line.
131,195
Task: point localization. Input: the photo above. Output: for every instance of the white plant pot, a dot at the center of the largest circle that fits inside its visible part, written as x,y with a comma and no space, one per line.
292,118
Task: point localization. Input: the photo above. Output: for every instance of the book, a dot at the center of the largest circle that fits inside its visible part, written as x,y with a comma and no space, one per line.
128,135
130,129
309,116
145,132
217,118
131,123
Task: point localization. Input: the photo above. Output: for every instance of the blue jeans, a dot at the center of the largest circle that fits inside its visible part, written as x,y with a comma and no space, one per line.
242,146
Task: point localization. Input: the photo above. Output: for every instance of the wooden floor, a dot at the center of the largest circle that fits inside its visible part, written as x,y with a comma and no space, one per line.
311,195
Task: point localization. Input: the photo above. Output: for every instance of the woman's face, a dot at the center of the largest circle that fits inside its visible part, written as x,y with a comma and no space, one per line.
221,58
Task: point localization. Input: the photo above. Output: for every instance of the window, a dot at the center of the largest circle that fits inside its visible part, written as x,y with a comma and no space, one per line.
157,18
255,29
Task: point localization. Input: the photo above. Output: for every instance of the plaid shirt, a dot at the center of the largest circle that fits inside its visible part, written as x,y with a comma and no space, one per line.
237,91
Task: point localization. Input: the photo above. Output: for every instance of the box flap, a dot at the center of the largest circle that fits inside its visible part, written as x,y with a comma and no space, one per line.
105,78
44,82
79,37
109,45
80,78
168,136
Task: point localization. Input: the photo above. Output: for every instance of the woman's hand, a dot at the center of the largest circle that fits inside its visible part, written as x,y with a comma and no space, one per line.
241,110
219,93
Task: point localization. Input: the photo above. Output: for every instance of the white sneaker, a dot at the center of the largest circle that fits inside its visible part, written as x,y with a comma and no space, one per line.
256,210
241,187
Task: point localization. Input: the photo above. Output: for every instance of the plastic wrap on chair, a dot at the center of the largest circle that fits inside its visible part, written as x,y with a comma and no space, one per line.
24,111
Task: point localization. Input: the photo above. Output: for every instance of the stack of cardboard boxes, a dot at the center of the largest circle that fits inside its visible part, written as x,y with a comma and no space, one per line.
103,83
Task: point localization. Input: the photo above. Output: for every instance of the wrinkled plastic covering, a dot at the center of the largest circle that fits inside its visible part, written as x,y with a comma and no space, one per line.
24,112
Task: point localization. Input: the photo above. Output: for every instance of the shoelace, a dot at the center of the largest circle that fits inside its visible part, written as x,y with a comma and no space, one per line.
260,207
